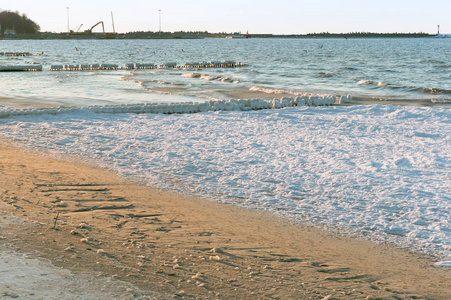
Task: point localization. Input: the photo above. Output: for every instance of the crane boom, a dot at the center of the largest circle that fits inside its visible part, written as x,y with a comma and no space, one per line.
112,20
75,30
103,27
89,31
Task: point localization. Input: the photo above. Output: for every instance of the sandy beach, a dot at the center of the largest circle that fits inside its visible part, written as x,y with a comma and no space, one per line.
136,242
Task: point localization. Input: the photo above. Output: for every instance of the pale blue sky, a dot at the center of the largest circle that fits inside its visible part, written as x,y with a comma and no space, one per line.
264,16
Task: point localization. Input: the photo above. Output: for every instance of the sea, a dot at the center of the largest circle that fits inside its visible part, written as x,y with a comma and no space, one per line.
348,135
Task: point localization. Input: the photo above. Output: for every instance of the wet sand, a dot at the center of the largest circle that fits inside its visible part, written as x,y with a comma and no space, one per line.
90,221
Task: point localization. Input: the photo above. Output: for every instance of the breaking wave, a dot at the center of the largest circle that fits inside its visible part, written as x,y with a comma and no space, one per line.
423,90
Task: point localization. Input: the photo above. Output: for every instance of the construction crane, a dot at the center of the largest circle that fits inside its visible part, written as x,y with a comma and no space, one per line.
90,30
76,30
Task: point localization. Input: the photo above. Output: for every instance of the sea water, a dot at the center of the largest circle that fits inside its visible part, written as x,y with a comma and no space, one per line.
376,171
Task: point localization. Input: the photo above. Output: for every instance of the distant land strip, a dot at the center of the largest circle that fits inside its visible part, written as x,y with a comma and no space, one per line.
205,34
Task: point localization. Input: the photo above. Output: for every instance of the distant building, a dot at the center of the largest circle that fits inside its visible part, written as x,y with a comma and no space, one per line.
10,31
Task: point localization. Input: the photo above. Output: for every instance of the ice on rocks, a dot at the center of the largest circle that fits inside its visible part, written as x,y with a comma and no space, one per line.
181,107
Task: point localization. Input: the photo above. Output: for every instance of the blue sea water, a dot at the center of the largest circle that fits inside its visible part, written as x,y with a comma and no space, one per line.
376,69
380,171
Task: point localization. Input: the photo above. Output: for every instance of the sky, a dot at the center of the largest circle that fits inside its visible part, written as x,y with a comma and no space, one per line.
263,16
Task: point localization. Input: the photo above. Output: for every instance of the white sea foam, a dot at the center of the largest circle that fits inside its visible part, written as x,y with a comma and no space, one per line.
305,95
382,172
274,91
364,82
192,75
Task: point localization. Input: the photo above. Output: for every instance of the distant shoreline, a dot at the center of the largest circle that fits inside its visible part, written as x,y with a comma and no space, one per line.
202,35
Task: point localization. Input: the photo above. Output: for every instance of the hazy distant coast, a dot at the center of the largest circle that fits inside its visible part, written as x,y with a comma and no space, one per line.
201,35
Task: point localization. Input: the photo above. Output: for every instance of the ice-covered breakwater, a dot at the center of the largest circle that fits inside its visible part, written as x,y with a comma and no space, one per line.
129,66
132,66
140,66
15,54
21,68
183,107
82,67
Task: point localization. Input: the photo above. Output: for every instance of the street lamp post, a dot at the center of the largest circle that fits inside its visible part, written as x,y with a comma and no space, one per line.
159,11
68,30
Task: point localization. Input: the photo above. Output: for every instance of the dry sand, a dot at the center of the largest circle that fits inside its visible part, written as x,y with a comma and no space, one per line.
131,241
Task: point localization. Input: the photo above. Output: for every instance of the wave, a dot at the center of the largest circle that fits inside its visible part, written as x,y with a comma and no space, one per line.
145,82
366,82
431,61
277,91
423,90
142,79
192,75
324,75
180,107
441,101
206,77
433,91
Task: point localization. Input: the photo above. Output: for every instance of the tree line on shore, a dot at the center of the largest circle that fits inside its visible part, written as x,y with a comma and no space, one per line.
18,23
368,34
14,22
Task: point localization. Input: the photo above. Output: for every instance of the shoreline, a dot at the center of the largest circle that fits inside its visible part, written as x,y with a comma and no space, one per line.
202,35
86,219
358,100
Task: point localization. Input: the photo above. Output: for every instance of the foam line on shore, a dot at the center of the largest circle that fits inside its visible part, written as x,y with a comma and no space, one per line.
183,107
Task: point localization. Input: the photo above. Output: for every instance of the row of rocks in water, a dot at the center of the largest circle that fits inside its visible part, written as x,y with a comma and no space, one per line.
25,68
15,54
131,66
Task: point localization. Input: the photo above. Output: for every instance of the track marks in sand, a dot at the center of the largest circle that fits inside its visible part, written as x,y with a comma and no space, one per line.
161,251
126,232
71,198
